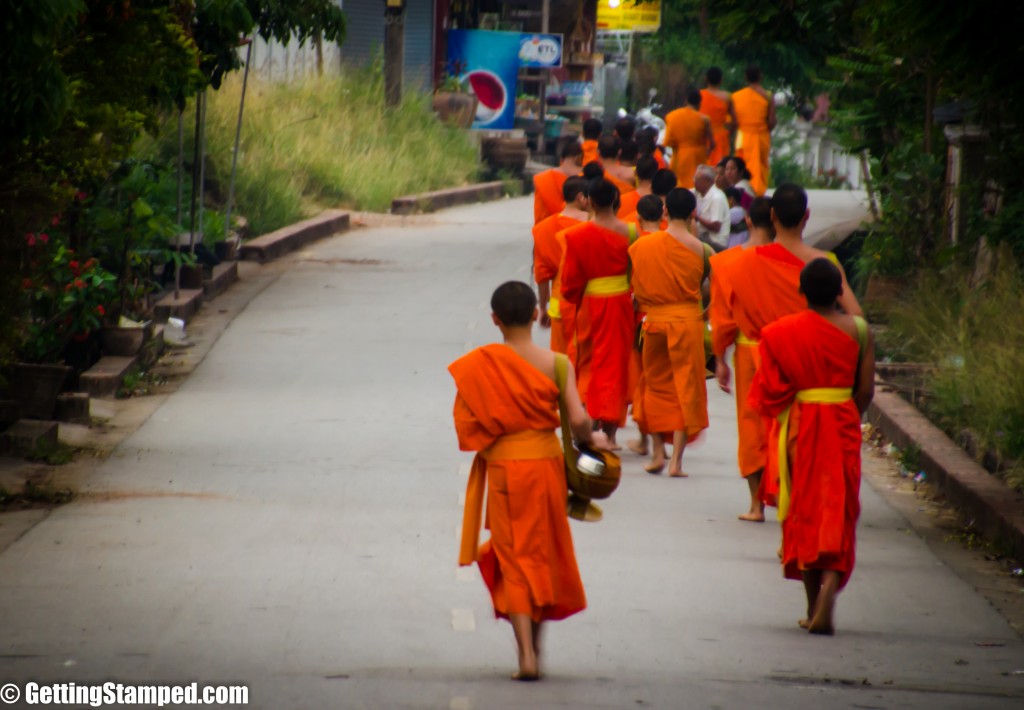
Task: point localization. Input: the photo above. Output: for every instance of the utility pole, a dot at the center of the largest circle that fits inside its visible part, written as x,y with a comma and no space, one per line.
394,50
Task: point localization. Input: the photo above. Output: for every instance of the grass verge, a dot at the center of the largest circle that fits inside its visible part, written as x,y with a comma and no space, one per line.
324,142
974,337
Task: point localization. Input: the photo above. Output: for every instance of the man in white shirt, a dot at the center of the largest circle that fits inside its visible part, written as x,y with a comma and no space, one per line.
712,209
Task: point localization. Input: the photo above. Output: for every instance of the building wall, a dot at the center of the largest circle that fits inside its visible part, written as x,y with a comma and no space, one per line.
365,37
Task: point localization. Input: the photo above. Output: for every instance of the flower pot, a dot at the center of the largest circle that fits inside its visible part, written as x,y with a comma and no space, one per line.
36,387
125,342
456,109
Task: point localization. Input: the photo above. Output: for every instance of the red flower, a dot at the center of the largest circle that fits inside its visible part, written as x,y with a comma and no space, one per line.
75,269
26,284
80,196
68,287
89,264
79,283
55,221
31,239
44,238
100,310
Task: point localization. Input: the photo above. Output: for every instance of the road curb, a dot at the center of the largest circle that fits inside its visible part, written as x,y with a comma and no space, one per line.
450,197
995,509
279,242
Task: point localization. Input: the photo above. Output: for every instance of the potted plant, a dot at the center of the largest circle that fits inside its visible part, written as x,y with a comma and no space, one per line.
65,301
454,102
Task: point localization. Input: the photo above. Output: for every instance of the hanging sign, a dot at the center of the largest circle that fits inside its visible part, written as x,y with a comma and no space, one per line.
489,65
540,51
629,16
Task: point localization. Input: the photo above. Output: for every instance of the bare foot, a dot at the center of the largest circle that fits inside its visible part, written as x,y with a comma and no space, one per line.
655,467
821,622
525,676
612,446
752,517
637,446
678,473
779,552
803,623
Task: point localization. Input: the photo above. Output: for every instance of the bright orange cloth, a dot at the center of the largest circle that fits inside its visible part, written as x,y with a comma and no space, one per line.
590,153
800,352
604,323
686,134
547,194
659,155
754,140
547,258
666,282
627,203
716,109
508,410
752,449
624,187
765,287
634,217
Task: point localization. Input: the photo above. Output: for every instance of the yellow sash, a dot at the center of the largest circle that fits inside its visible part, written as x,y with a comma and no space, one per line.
741,339
523,445
607,286
817,395
673,312
554,308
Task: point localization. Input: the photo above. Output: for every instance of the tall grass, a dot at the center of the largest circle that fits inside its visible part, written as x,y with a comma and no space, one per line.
326,142
974,336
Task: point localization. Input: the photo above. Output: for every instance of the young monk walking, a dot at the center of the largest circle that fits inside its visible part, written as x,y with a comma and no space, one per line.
688,134
725,333
765,286
594,279
646,167
816,378
668,270
716,104
547,257
754,109
547,186
506,409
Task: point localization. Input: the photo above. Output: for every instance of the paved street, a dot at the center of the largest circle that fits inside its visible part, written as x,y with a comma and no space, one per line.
288,520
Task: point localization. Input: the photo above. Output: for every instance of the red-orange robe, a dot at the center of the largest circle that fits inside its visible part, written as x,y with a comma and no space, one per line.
604,322
590,153
548,198
753,139
634,217
567,309
666,281
627,203
547,258
687,135
799,352
751,452
766,287
717,110
507,410
623,187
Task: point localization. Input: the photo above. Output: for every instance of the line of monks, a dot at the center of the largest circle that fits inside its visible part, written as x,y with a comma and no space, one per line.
623,285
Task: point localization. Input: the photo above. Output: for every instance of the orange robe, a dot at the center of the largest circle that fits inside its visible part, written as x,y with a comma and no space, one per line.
634,217
507,410
547,260
627,203
752,451
594,278
590,153
659,155
624,187
717,110
686,134
566,308
666,282
753,140
766,287
801,352
547,194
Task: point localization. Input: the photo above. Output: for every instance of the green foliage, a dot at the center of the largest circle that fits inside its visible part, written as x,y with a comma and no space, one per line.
328,141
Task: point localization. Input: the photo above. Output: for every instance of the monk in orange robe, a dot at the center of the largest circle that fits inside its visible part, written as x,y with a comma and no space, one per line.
668,270
623,177
765,286
506,409
725,333
754,108
647,144
547,186
594,278
646,167
547,257
592,129
688,134
663,182
817,378
716,104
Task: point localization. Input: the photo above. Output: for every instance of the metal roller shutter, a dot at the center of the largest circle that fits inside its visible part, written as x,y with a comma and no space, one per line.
419,44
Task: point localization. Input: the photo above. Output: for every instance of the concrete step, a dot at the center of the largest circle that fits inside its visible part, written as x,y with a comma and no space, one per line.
439,199
184,306
271,246
102,379
73,407
27,435
224,274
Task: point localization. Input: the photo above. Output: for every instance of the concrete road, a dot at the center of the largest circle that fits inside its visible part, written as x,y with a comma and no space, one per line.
288,520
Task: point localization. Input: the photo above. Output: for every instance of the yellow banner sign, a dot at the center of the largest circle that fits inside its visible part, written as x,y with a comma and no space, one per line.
628,15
